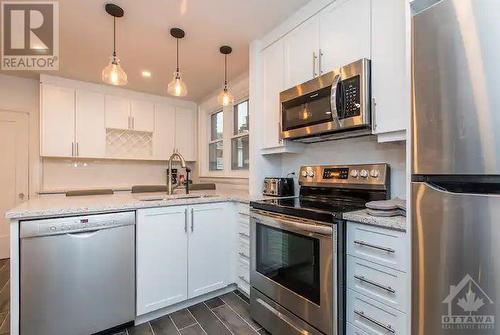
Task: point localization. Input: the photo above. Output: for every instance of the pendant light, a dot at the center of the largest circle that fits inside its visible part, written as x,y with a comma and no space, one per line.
113,74
177,87
225,97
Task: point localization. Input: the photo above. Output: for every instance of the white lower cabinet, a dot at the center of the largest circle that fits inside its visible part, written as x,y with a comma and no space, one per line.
182,252
209,250
377,281
162,257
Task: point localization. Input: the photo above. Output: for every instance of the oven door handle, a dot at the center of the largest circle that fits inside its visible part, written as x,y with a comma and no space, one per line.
300,226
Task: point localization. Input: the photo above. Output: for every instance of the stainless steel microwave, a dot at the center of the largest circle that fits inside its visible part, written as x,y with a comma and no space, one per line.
334,105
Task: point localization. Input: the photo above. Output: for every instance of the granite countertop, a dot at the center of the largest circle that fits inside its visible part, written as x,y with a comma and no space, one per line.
59,205
362,216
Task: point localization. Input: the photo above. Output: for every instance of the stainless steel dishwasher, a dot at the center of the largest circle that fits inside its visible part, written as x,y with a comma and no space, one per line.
77,274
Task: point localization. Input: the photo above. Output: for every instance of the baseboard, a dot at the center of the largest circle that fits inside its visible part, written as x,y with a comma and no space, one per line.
181,305
4,246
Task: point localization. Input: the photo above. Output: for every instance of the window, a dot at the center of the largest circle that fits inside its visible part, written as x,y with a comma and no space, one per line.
240,138
216,146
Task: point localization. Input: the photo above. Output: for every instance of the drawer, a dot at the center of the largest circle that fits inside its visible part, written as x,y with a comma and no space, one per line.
381,283
244,286
382,246
244,270
243,210
244,227
372,317
244,247
351,330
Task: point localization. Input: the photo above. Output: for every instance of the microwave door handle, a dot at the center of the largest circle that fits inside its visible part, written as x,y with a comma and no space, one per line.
333,99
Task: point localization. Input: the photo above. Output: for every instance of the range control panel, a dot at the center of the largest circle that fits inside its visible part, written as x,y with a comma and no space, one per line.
376,176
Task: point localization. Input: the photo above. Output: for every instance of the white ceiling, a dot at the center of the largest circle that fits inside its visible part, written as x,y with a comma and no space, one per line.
144,42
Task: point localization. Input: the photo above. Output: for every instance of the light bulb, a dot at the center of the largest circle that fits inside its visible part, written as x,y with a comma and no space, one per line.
113,74
177,87
225,98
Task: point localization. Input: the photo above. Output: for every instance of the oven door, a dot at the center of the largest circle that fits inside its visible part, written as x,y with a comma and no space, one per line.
294,263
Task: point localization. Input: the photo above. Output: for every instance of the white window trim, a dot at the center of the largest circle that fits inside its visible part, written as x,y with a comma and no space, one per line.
205,140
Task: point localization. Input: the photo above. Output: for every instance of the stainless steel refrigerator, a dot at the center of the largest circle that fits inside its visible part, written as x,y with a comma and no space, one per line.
456,167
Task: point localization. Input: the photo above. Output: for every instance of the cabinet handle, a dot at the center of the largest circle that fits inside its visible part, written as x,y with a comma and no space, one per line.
374,119
186,220
133,123
244,214
314,64
320,61
192,220
128,120
244,235
373,246
243,255
244,279
280,135
387,327
368,281
77,149
72,149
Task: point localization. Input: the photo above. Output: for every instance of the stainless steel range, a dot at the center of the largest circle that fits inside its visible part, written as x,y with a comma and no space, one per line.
298,248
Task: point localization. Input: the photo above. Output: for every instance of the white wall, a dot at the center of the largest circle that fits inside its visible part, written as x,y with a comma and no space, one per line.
362,150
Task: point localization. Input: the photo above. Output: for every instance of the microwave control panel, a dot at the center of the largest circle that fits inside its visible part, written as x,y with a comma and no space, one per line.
352,97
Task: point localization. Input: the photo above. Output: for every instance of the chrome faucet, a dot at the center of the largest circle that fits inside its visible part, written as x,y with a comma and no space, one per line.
177,154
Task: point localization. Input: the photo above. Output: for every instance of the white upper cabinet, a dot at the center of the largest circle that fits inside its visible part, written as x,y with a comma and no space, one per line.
210,248
164,134
90,136
57,121
117,112
344,30
272,85
185,132
142,115
302,53
390,73
162,264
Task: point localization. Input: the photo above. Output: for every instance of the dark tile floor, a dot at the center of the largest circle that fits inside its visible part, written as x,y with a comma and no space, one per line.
4,297
224,315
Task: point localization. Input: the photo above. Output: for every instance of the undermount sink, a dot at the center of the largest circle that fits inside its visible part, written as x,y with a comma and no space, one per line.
174,197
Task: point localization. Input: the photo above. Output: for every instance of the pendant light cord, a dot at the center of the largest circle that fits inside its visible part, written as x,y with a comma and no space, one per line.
177,55
114,37
225,71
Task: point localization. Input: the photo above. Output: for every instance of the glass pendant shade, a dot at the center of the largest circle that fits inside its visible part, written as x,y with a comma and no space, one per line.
225,98
114,74
177,87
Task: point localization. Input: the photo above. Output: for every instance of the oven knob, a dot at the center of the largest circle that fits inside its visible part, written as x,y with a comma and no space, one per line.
304,173
363,174
354,173
374,173
310,174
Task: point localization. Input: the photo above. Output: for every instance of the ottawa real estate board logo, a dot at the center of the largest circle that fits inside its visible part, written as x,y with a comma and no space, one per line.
468,307
30,35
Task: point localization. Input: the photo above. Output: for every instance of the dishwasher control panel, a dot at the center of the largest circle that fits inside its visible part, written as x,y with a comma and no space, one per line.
75,224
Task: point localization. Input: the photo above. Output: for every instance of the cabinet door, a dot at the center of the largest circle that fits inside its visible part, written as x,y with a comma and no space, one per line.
390,73
161,257
342,39
272,85
143,115
164,134
185,132
90,128
301,53
57,121
209,248
117,111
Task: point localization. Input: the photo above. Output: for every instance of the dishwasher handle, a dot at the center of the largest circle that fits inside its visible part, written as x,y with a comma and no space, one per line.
84,234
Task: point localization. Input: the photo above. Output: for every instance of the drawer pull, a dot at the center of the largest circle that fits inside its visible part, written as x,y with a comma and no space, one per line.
368,281
244,214
374,321
365,244
244,235
243,255
244,279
